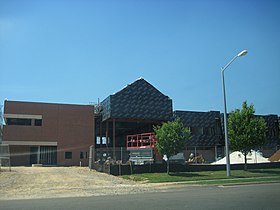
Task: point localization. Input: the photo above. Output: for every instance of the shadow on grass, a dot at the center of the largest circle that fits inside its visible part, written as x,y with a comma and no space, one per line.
178,174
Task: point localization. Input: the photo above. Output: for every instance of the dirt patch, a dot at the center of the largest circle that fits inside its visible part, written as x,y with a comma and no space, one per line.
50,182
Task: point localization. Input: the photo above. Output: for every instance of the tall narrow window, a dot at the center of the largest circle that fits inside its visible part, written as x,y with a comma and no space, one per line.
83,155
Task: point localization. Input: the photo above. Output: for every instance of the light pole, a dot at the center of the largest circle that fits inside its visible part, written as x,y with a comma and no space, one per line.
242,53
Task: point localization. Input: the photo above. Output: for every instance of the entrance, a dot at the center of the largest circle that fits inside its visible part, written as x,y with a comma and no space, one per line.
46,155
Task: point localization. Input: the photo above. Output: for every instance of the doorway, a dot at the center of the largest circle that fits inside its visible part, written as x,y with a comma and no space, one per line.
46,155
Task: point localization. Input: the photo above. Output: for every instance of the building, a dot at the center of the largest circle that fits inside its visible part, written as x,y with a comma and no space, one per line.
134,109
61,134
49,134
272,143
139,107
206,133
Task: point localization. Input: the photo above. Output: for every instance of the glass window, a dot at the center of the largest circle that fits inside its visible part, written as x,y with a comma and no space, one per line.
38,122
18,121
98,140
68,155
83,155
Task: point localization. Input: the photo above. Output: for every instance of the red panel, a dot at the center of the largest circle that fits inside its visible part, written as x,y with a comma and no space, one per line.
143,140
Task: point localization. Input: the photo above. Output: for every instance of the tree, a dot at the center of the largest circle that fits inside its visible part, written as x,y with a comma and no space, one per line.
171,138
245,130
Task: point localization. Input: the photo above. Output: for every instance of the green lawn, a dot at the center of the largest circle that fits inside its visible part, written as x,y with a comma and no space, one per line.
210,177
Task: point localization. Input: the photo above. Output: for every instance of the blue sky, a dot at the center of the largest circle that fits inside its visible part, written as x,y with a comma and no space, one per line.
77,51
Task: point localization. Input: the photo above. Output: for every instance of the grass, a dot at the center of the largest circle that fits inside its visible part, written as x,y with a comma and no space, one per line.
210,177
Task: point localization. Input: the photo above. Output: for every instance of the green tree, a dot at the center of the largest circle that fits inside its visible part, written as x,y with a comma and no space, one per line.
245,130
171,138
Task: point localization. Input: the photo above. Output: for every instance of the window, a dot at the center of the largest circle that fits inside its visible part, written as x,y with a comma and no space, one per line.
18,121
68,155
83,155
24,121
48,155
103,139
38,122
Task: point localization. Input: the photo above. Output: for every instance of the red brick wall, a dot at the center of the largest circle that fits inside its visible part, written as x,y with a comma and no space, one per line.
71,126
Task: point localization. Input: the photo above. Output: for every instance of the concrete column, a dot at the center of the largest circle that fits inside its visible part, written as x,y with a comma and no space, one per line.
38,155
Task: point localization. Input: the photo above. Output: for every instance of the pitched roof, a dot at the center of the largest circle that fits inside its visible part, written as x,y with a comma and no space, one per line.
139,100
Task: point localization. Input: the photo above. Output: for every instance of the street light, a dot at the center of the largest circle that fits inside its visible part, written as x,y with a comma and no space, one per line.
242,53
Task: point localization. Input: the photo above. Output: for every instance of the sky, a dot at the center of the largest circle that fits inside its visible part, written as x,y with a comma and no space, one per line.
82,51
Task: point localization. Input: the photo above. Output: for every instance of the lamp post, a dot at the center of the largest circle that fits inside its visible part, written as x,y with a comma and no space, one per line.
242,53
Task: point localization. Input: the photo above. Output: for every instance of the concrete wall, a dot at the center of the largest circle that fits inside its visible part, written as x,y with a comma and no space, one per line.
20,155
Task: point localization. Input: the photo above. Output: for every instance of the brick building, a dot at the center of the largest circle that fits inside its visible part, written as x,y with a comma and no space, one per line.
49,134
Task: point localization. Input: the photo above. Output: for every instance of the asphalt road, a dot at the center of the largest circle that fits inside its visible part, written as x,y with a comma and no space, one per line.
261,196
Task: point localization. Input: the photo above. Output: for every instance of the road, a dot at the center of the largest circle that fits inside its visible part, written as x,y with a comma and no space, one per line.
260,196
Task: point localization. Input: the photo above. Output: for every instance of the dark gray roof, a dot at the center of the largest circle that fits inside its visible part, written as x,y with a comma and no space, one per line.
139,100
198,119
